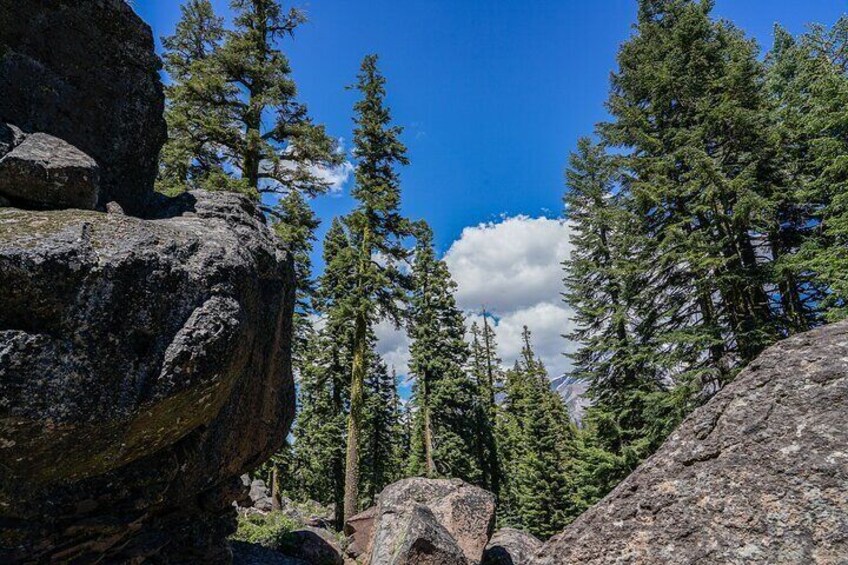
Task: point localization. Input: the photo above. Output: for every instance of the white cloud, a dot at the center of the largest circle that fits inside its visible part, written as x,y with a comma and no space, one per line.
393,346
335,177
513,268
510,264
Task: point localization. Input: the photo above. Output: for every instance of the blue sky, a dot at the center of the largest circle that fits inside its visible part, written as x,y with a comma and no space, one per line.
493,95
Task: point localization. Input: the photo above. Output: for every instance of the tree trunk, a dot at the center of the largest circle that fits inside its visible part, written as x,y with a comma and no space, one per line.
428,430
354,427
275,489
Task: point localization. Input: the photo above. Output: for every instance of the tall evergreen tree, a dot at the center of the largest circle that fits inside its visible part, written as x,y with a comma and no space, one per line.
539,446
808,84
444,397
484,368
226,83
689,113
382,459
606,275
375,231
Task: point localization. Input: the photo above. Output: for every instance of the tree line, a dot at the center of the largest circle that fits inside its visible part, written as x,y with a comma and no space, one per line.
707,217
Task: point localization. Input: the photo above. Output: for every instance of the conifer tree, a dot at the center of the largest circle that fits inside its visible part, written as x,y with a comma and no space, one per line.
539,446
225,84
375,231
484,368
296,227
380,450
808,84
318,450
444,396
690,115
606,277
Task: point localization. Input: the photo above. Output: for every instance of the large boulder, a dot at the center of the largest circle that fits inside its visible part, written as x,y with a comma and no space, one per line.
85,71
410,510
757,475
43,171
144,366
511,547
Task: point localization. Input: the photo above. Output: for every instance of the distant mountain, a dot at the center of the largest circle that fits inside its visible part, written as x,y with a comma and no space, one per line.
573,392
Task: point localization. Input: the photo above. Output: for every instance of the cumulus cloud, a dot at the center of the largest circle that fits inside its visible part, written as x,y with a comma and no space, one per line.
335,177
393,346
513,268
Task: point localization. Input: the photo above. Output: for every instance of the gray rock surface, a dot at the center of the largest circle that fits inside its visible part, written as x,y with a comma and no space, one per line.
413,509
43,171
144,366
511,547
418,539
312,545
358,530
757,475
85,72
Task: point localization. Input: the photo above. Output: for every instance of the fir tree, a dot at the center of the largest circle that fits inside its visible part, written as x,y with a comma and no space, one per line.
689,113
375,231
808,83
225,83
444,397
484,368
539,446
605,280
380,450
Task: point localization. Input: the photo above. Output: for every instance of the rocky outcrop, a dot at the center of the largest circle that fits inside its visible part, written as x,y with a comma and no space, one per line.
511,547
757,475
422,521
144,366
85,71
42,171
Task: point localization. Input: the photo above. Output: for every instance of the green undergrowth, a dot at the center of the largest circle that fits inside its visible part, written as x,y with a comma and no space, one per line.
269,530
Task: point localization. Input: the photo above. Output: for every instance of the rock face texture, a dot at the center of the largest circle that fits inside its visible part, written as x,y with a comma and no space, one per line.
85,71
46,172
358,530
757,475
144,366
511,547
423,521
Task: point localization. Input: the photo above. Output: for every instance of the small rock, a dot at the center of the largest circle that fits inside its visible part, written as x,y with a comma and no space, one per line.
261,496
114,208
49,173
511,547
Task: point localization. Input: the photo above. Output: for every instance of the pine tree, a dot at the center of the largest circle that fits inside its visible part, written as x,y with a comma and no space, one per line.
484,369
444,397
381,463
689,113
318,449
225,83
296,227
539,447
605,280
375,231
808,84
